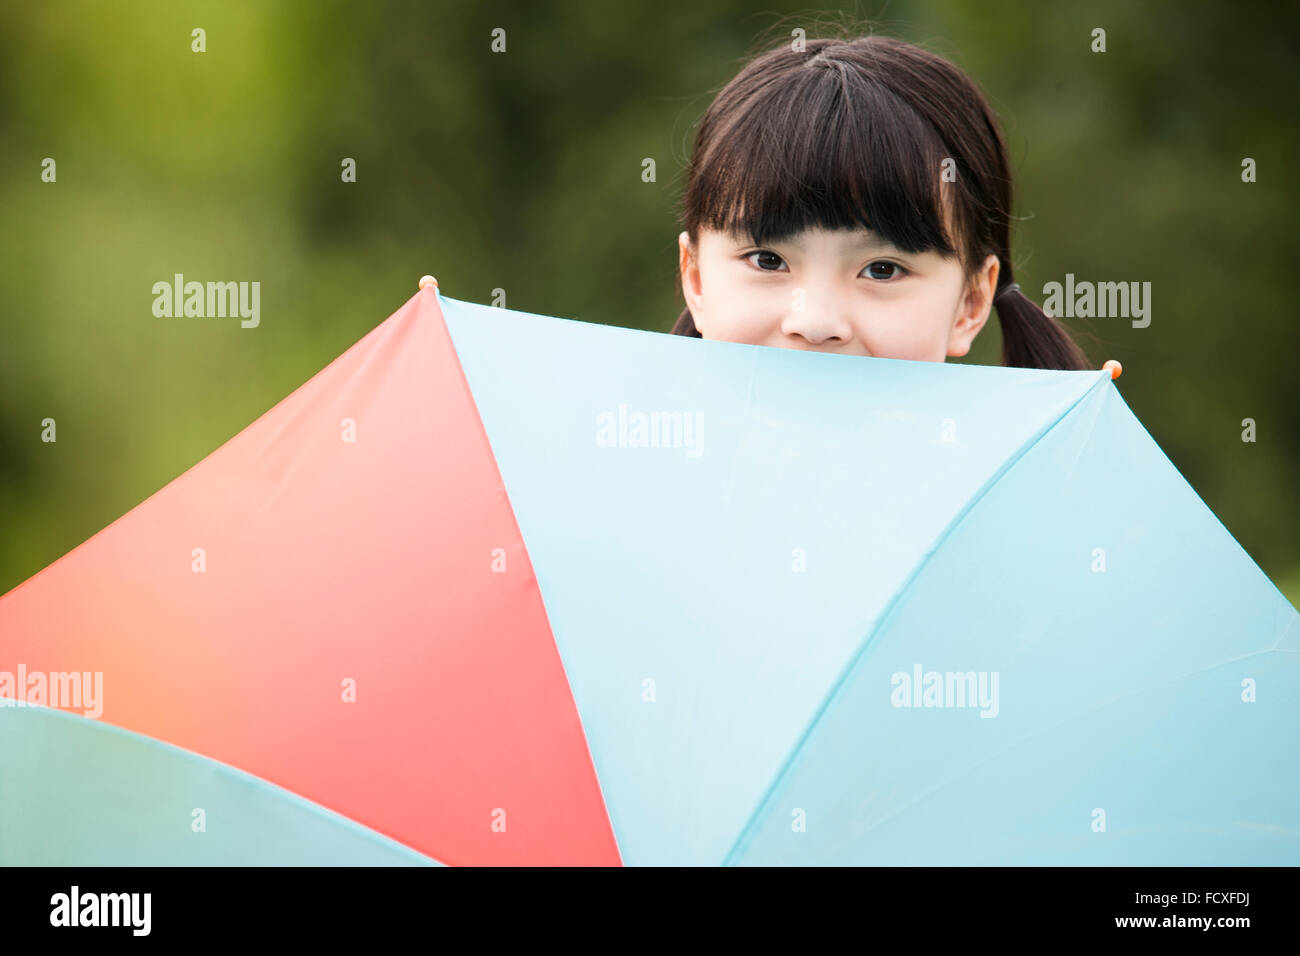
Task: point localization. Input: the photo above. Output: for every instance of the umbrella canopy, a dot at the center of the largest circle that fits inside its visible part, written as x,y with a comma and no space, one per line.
501,588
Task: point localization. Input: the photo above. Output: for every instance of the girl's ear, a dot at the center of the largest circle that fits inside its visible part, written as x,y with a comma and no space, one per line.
973,311
690,272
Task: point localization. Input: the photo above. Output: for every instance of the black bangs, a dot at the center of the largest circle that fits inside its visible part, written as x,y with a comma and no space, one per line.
824,147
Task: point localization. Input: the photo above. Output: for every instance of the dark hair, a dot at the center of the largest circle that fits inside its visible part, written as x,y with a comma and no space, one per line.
851,133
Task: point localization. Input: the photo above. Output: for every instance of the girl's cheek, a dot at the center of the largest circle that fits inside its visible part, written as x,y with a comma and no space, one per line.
753,330
922,336
750,322
917,345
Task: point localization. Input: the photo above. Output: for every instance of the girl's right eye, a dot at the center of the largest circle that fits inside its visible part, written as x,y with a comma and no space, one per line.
763,252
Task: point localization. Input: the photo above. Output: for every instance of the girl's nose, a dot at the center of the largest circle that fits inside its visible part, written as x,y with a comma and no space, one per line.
820,326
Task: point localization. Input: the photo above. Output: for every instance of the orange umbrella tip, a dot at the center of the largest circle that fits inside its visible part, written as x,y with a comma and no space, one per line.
1115,368
426,281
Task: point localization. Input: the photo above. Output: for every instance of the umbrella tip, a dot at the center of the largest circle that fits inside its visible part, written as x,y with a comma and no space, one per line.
426,281
1115,368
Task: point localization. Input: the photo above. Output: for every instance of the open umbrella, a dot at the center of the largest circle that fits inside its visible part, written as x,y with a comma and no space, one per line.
501,588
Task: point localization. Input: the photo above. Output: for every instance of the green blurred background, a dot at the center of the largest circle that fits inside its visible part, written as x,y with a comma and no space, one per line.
522,171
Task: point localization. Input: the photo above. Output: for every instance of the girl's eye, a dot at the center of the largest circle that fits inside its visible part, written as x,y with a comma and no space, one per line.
894,267
769,260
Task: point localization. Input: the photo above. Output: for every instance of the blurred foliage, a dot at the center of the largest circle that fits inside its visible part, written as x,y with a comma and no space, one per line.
522,171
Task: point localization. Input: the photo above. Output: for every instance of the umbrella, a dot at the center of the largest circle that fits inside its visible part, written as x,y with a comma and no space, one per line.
502,588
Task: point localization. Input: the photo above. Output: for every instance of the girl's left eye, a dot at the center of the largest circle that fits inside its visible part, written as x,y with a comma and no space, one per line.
763,266
897,270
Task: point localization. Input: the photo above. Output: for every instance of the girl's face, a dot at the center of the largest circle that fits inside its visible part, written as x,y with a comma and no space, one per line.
844,291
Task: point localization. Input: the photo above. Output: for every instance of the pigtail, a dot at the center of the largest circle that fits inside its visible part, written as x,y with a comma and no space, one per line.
1030,337
685,325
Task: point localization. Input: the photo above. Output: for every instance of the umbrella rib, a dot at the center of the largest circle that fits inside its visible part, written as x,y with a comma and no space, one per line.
1042,730
746,832
1283,636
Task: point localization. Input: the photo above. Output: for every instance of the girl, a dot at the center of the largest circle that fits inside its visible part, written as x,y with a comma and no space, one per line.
855,197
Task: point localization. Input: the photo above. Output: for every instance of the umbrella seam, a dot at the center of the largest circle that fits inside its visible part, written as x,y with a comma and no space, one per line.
745,835
1282,637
